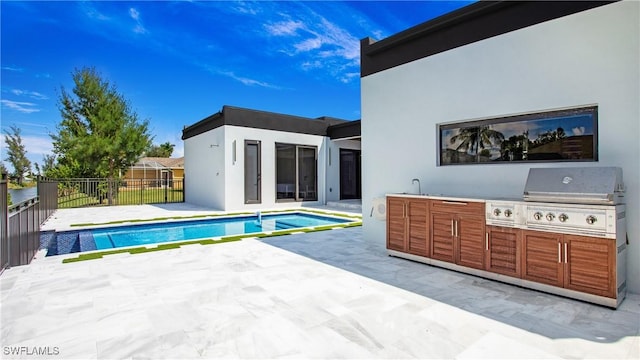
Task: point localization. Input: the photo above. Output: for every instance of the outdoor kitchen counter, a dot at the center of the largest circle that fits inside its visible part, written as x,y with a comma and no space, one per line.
437,197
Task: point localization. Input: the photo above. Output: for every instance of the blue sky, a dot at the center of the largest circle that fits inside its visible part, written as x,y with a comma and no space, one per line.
179,62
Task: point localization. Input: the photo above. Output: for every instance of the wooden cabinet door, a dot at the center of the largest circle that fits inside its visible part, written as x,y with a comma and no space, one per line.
396,224
542,257
470,241
590,265
418,236
442,236
503,251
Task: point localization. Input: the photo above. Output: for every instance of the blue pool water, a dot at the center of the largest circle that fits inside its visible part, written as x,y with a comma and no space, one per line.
107,238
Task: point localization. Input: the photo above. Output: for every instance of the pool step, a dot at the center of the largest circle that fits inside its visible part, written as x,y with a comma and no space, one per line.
67,242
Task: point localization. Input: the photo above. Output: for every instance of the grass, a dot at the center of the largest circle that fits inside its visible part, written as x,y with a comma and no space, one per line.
124,197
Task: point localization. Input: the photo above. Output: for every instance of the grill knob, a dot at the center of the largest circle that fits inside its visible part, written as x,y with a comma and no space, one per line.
591,219
507,213
537,215
496,212
550,217
563,217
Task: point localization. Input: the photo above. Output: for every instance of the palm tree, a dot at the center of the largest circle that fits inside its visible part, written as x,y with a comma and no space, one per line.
475,138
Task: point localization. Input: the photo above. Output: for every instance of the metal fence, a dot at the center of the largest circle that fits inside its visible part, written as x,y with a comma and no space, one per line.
24,231
20,223
73,193
48,196
4,223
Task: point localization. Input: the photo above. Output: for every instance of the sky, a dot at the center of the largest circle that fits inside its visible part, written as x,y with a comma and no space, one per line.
179,62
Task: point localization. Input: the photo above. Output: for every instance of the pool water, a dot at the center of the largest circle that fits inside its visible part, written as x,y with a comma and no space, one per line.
107,238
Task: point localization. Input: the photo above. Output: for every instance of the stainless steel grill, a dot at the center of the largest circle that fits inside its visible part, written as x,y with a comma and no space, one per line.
581,185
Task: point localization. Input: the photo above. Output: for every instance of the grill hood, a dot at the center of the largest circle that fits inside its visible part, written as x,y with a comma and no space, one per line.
580,185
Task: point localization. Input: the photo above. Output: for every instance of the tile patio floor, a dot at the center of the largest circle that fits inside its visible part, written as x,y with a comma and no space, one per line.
323,295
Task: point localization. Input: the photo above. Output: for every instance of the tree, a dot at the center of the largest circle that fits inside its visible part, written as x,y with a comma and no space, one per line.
99,135
16,154
163,150
472,139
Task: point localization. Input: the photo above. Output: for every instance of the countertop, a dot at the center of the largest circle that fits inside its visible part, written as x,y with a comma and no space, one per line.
454,197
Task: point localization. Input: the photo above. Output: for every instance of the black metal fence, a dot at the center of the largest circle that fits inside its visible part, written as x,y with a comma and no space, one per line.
73,193
48,196
20,223
4,222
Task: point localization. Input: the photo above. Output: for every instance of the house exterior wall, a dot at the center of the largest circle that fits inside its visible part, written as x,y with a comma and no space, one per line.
591,57
332,188
204,166
234,174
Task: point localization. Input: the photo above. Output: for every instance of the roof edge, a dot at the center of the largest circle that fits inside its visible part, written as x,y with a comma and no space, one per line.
470,24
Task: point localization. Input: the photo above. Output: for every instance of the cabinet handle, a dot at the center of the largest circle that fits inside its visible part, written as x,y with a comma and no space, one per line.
565,253
454,203
456,228
559,251
404,210
486,241
452,227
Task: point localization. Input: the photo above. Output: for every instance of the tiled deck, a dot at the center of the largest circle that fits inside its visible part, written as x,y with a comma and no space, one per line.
328,294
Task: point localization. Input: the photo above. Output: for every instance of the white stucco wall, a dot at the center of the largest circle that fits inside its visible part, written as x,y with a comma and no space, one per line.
235,171
204,169
587,58
333,168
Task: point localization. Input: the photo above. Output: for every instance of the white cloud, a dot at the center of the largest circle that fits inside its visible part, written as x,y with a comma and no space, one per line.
11,68
37,145
248,81
289,27
135,15
92,13
578,130
311,37
32,94
20,106
309,44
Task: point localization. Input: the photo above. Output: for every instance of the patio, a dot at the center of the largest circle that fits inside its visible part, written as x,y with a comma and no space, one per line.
327,294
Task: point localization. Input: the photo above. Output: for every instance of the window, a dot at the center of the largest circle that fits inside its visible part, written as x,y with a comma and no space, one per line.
558,135
296,172
252,172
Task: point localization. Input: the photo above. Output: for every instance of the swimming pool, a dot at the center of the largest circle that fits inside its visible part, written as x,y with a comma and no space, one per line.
131,235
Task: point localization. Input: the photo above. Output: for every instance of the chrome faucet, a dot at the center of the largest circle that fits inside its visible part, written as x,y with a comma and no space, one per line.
413,182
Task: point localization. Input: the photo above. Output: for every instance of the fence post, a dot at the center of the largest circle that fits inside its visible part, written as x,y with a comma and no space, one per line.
4,223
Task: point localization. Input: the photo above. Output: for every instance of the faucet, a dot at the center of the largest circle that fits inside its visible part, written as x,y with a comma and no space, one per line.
413,182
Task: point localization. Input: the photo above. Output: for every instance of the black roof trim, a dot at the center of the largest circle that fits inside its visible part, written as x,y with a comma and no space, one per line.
344,130
472,23
231,115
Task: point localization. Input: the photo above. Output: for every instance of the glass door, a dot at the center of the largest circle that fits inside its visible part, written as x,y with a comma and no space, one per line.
252,172
307,171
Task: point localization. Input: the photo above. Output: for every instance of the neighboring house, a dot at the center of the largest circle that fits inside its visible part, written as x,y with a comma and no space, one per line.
156,168
240,159
494,59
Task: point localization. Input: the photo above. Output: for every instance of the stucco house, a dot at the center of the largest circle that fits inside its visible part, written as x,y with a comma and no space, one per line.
494,60
156,168
239,159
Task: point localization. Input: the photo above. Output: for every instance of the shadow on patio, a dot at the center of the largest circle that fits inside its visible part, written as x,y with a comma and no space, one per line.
548,315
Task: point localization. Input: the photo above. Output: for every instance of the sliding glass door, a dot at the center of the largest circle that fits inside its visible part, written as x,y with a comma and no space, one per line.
296,172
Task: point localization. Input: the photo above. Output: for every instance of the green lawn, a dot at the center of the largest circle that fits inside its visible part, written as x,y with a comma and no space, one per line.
124,197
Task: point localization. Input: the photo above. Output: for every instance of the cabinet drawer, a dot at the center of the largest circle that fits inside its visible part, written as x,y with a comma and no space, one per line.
456,206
